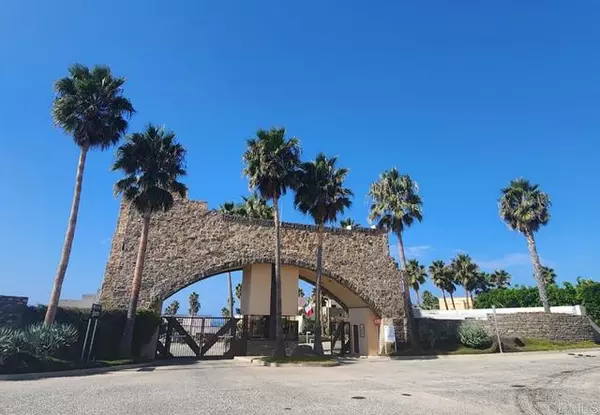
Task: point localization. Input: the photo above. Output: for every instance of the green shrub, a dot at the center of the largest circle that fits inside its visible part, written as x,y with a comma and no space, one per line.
45,341
108,334
590,299
473,336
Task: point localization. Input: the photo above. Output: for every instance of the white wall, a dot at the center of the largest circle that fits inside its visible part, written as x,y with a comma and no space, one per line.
367,345
481,313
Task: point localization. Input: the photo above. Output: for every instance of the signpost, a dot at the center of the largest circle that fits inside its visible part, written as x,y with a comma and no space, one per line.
497,331
94,315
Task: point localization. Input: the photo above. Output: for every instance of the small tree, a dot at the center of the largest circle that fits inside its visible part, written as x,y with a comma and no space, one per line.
548,276
348,223
430,301
152,162
225,312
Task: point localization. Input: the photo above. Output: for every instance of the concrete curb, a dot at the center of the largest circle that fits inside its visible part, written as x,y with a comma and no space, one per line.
481,355
81,372
257,361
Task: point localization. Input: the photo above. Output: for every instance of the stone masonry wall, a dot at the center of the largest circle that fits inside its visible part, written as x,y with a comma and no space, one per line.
190,243
555,326
11,310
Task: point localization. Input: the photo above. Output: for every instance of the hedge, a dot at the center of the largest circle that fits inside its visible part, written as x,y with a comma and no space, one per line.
585,293
108,335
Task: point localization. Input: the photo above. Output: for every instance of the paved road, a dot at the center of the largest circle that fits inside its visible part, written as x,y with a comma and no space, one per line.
511,384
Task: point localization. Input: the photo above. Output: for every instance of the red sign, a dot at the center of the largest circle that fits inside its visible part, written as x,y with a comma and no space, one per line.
377,321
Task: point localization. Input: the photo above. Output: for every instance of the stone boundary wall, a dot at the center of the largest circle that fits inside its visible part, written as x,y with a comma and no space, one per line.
555,327
11,310
560,327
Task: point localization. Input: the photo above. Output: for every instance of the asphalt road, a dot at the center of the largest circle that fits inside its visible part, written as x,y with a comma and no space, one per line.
539,383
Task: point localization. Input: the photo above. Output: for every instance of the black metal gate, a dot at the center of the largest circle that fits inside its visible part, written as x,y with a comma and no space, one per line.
340,338
200,337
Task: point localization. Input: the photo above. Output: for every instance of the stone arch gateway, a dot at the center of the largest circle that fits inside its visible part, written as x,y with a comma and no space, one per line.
190,243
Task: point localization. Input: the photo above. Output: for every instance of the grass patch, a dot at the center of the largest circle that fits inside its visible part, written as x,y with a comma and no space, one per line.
301,359
535,345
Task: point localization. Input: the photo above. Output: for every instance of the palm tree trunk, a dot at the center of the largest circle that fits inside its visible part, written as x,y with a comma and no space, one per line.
467,298
230,295
445,301
318,348
279,339
452,298
472,301
127,339
537,269
418,297
410,332
68,243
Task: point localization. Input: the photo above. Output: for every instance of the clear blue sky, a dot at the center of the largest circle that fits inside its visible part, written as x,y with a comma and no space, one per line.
463,96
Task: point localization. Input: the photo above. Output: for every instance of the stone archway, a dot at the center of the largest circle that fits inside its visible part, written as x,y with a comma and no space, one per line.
190,243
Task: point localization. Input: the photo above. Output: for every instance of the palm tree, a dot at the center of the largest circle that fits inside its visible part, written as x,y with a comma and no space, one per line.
89,106
193,304
300,293
253,207
525,208
449,283
416,276
466,273
500,278
152,162
439,275
225,312
348,223
320,193
271,163
548,275
173,308
395,206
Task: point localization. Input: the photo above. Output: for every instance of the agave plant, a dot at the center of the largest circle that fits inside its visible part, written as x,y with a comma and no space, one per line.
44,341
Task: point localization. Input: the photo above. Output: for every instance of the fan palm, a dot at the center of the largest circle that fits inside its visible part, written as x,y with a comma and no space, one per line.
416,276
152,162
525,208
348,223
90,106
466,273
193,304
271,162
500,278
320,193
548,276
439,277
395,206
173,308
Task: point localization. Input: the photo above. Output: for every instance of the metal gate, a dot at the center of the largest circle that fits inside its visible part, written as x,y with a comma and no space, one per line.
200,337
340,338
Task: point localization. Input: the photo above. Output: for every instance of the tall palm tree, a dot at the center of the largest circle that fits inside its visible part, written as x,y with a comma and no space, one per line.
320,193
466,273
525,208
416,276
500,278
439,274
348,223
152,162
548,275
193,304
271,163
89,106
395,206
